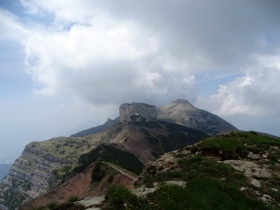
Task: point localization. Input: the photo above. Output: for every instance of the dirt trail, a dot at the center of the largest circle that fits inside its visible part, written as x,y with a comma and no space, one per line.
121,171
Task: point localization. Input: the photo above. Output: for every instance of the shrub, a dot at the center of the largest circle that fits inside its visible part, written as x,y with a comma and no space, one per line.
73,199
52,205
110,179
206,194
118,196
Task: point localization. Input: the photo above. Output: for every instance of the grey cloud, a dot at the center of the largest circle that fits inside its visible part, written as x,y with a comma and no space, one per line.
203,35
226,32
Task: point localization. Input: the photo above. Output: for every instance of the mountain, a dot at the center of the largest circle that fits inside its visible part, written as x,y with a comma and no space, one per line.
233,171
138,136
96,129
144,161
184,113
180,111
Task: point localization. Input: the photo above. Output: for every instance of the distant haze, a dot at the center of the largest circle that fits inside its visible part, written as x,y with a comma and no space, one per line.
4,170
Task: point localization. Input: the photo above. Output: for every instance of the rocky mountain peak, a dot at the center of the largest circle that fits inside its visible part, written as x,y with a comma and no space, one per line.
145,110
181,101
182,112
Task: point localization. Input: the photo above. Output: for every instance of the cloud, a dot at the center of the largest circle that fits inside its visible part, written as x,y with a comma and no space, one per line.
113,52
105,62
256,93
11,28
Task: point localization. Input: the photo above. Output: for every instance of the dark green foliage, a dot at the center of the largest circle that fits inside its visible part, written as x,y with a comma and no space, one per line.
152,140
206,194
201,168
178,136
62,174
118,195
253,132
143,123
62,152
111,179
73,199
111,154
237,144
52,205
97,173
176,132
63,206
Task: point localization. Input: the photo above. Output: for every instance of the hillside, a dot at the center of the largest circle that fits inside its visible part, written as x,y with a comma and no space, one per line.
233,171
32,174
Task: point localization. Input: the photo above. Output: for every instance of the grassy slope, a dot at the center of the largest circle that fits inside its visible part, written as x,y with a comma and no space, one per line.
113,155
210,185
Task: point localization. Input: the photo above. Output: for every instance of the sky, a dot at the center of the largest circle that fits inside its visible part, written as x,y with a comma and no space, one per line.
67,65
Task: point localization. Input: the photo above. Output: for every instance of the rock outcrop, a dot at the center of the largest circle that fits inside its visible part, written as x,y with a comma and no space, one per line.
29,176
184,113
145,110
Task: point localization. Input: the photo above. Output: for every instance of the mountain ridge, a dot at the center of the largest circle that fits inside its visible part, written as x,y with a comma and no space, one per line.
187,115
139,131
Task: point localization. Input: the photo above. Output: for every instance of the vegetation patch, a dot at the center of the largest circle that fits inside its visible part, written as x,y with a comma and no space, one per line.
62,174
97,173
110,154
12,198
239,144
206,194
120,198
198,167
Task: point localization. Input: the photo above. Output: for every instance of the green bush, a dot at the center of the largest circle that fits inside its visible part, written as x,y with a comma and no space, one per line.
206,194
110,179
118,196
73,199
97,173
52,205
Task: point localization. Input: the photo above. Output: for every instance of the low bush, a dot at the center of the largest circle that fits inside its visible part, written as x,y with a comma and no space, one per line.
121,198
206,194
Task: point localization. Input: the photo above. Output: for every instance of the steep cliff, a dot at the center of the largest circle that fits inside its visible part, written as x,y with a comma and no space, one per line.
145,110
29,176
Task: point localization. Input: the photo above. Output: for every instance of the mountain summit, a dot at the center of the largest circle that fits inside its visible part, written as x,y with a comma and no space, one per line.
179,111
182,112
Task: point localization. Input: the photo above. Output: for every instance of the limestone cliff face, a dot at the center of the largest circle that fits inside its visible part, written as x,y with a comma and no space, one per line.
29,176
145,110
